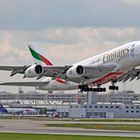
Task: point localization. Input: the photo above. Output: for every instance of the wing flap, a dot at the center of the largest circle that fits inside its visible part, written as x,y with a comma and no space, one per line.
130,75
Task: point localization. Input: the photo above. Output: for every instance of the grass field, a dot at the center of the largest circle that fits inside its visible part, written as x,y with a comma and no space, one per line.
109,120
13,136
43,118
130,127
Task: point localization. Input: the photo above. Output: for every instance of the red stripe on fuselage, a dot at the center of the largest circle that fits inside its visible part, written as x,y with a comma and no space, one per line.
106,78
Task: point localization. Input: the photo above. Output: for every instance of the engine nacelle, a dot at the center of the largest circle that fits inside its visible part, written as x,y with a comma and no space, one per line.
33,71
75,72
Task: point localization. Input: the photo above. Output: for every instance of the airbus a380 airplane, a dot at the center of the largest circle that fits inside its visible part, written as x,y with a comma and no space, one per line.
119,64
46,84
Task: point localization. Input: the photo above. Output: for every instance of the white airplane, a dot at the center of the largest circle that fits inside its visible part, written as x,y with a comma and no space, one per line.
119,64
48,83
17,111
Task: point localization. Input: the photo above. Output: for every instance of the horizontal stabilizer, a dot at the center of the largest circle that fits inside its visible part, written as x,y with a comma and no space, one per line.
30,84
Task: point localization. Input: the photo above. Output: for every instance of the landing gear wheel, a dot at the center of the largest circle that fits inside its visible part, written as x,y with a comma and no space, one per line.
104,89
85,88
117,88
110,87
99,89
113,87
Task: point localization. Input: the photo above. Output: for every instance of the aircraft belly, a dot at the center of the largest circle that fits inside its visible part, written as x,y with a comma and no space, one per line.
108,77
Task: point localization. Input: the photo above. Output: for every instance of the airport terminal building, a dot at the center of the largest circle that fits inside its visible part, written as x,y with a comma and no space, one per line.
125,104
95,109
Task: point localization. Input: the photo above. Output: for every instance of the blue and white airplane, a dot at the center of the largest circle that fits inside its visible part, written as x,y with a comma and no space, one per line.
17,111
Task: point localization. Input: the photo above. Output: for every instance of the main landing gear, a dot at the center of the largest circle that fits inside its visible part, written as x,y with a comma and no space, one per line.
113,87
85,88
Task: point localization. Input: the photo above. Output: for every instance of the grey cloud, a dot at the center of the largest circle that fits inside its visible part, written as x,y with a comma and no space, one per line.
44,14
132,2
73,44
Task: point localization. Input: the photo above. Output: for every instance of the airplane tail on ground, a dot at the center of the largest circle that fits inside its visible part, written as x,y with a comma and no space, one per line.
3,109
39,56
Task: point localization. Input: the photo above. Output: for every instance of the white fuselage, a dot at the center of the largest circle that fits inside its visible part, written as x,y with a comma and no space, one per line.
18,111
125,58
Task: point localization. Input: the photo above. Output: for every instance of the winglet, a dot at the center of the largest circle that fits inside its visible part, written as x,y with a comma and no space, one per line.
38,56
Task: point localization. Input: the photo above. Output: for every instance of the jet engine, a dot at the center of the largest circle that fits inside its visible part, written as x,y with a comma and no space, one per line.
33,71
75,72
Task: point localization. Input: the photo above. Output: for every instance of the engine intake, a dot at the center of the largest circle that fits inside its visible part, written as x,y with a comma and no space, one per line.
80,70
33,71
75,72
38,69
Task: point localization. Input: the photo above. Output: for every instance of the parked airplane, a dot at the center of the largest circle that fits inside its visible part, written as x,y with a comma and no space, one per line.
119,64
17,111
48,83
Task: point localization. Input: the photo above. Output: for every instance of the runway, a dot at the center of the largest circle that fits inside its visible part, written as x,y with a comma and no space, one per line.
66,131
37,127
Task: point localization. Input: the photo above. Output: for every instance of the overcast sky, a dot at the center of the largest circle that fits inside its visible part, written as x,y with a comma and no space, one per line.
68,31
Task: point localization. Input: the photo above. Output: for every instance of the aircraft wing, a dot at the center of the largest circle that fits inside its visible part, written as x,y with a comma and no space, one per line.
60,71
50,71
89,72
30,84
130,75
10,68
14,69
54,71
97,71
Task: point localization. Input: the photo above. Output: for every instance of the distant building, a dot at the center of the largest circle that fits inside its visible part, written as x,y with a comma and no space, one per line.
125,104
94,109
